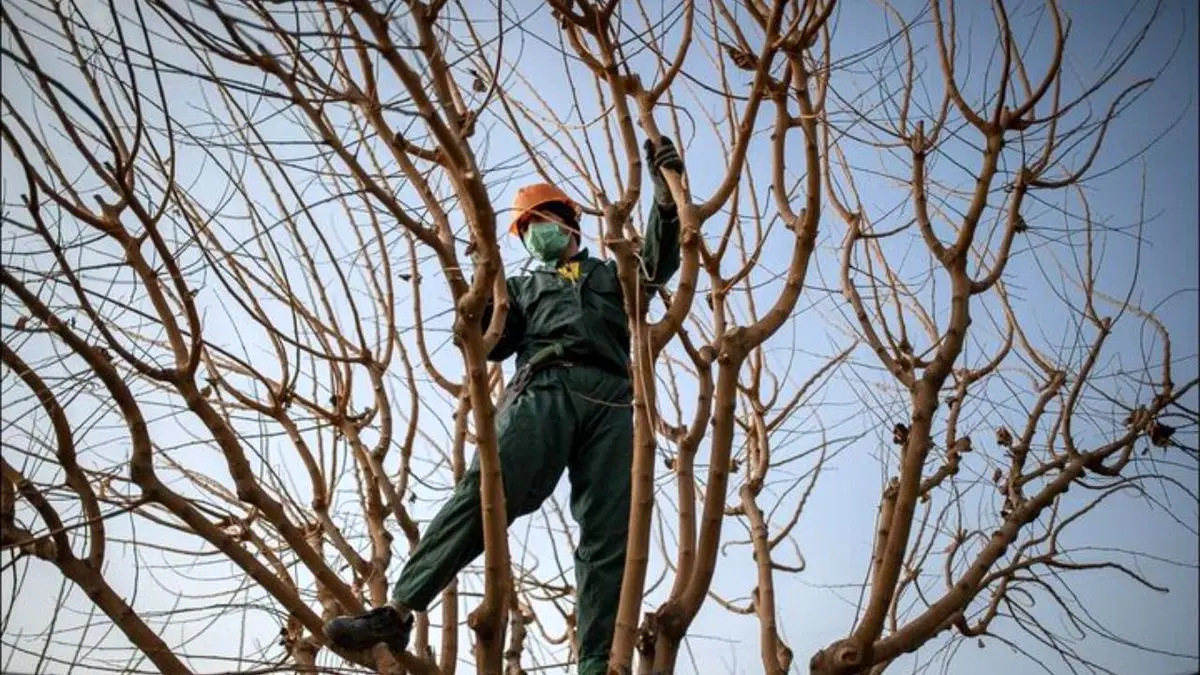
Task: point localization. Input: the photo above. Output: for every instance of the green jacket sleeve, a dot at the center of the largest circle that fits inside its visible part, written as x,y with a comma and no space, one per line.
514,325
660,248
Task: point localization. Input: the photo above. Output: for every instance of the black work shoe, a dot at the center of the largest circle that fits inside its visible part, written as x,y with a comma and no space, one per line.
363,631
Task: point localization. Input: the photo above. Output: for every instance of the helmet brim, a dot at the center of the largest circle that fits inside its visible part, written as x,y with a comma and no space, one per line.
519,221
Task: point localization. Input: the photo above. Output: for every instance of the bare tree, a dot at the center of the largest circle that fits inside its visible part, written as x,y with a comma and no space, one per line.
249,248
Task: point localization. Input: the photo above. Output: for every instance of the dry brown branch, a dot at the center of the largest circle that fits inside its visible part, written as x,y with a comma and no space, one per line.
254,265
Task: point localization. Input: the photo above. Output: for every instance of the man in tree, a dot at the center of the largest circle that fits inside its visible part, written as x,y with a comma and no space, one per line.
568,407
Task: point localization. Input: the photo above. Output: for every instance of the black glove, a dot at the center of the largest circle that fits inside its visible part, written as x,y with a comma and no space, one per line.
662,156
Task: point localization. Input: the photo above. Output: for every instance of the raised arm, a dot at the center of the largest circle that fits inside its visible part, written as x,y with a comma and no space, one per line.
514,324
660,248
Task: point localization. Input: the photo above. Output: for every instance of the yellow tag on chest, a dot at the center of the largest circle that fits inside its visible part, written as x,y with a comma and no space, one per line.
569,271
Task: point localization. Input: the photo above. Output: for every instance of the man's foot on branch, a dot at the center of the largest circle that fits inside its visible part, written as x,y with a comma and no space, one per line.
360,632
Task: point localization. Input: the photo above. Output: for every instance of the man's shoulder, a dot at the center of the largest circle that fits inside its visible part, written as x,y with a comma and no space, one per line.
605,263
525,281
518,281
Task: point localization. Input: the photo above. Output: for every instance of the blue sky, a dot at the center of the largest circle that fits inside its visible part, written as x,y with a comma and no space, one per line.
834,534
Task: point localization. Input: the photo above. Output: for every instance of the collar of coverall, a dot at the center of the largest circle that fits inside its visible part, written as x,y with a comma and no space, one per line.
578,257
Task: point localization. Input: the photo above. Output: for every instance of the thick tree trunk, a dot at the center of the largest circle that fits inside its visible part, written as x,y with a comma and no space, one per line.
448,656
487,619
676,615
764,594
641,504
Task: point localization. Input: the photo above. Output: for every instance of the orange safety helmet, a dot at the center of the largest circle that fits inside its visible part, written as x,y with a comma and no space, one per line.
532,196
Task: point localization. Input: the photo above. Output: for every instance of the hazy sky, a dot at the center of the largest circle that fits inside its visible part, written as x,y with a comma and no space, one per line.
835,534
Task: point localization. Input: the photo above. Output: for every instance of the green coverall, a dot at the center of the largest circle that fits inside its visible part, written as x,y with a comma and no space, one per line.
577,418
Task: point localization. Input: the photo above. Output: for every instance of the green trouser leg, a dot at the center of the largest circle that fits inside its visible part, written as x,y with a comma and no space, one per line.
534,440
600,492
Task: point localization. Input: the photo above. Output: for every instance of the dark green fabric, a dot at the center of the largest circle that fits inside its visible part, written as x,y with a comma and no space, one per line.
579,419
